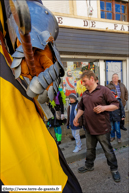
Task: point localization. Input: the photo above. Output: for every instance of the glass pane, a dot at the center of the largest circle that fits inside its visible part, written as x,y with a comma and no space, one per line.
102,5
109,15
117,16
124,9
108,6
124,17
73,71
102,14
117,8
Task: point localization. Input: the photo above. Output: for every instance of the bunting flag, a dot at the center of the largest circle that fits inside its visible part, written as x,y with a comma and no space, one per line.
29,154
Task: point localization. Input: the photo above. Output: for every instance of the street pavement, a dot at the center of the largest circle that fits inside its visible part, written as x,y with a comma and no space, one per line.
100,179
68,146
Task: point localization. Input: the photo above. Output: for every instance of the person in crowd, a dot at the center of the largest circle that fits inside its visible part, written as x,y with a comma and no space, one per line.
71,113
95,104
115,117
57,108
122,93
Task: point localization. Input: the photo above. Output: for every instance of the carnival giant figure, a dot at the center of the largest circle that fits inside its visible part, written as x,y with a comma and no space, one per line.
30,74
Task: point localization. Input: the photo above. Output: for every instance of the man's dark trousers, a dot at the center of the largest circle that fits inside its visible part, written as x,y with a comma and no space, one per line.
122,122
104,140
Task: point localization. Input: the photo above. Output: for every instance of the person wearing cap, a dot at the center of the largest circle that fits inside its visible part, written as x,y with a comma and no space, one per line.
122,93
95,104
115,118
71,113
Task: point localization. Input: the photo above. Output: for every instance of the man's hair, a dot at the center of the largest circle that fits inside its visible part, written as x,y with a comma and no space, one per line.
96,78
114,74
88,74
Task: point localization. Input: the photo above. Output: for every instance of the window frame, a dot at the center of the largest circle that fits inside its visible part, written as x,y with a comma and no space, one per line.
113,2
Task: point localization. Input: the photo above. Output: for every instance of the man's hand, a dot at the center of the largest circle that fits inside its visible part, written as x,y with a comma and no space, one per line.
75,122
122,118
99,109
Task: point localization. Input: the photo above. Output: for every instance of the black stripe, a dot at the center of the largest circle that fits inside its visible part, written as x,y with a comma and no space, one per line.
72,185
1,28
1,184
6,73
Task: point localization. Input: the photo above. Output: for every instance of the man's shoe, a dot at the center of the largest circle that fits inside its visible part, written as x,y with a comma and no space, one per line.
85,169
119,140
123,128
112,139
116,176
76,149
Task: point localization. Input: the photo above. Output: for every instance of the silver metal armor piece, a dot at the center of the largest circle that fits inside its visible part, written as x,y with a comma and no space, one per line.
51,93
47,76
42,80
52,72
42,98
16,62
57,55
19,49
18,55
56,68
12,30
35,86
56,83
55,87
17,71
30,93
43,37
41,20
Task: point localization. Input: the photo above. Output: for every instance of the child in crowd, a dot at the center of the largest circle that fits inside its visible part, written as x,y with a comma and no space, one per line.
57,108
71,113
115,118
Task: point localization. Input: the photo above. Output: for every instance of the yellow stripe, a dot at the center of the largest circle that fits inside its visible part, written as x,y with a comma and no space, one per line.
2,19
1,51
29,155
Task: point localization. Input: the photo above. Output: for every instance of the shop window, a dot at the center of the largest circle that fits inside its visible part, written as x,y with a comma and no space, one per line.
73,71
114,9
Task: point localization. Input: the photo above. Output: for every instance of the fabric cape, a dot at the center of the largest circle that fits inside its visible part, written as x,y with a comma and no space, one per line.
29,154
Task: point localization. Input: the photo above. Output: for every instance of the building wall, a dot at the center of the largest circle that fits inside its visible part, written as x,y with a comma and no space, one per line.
90,38
57,6
82,8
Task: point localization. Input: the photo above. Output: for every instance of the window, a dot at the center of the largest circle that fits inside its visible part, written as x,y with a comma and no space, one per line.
114,9
106,9
73,70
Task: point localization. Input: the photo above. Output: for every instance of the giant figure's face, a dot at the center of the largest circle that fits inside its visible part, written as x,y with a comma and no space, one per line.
69,73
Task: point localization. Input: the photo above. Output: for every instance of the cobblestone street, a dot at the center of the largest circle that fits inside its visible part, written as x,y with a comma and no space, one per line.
100,180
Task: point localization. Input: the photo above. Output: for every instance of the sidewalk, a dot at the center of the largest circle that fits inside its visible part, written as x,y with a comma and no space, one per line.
68,147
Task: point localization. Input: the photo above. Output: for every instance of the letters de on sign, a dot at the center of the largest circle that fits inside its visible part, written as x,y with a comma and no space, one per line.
90,24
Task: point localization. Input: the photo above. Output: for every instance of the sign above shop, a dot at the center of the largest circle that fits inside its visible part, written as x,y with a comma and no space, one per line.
91,24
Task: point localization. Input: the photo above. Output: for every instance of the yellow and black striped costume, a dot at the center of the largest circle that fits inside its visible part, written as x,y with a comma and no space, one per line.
29,154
